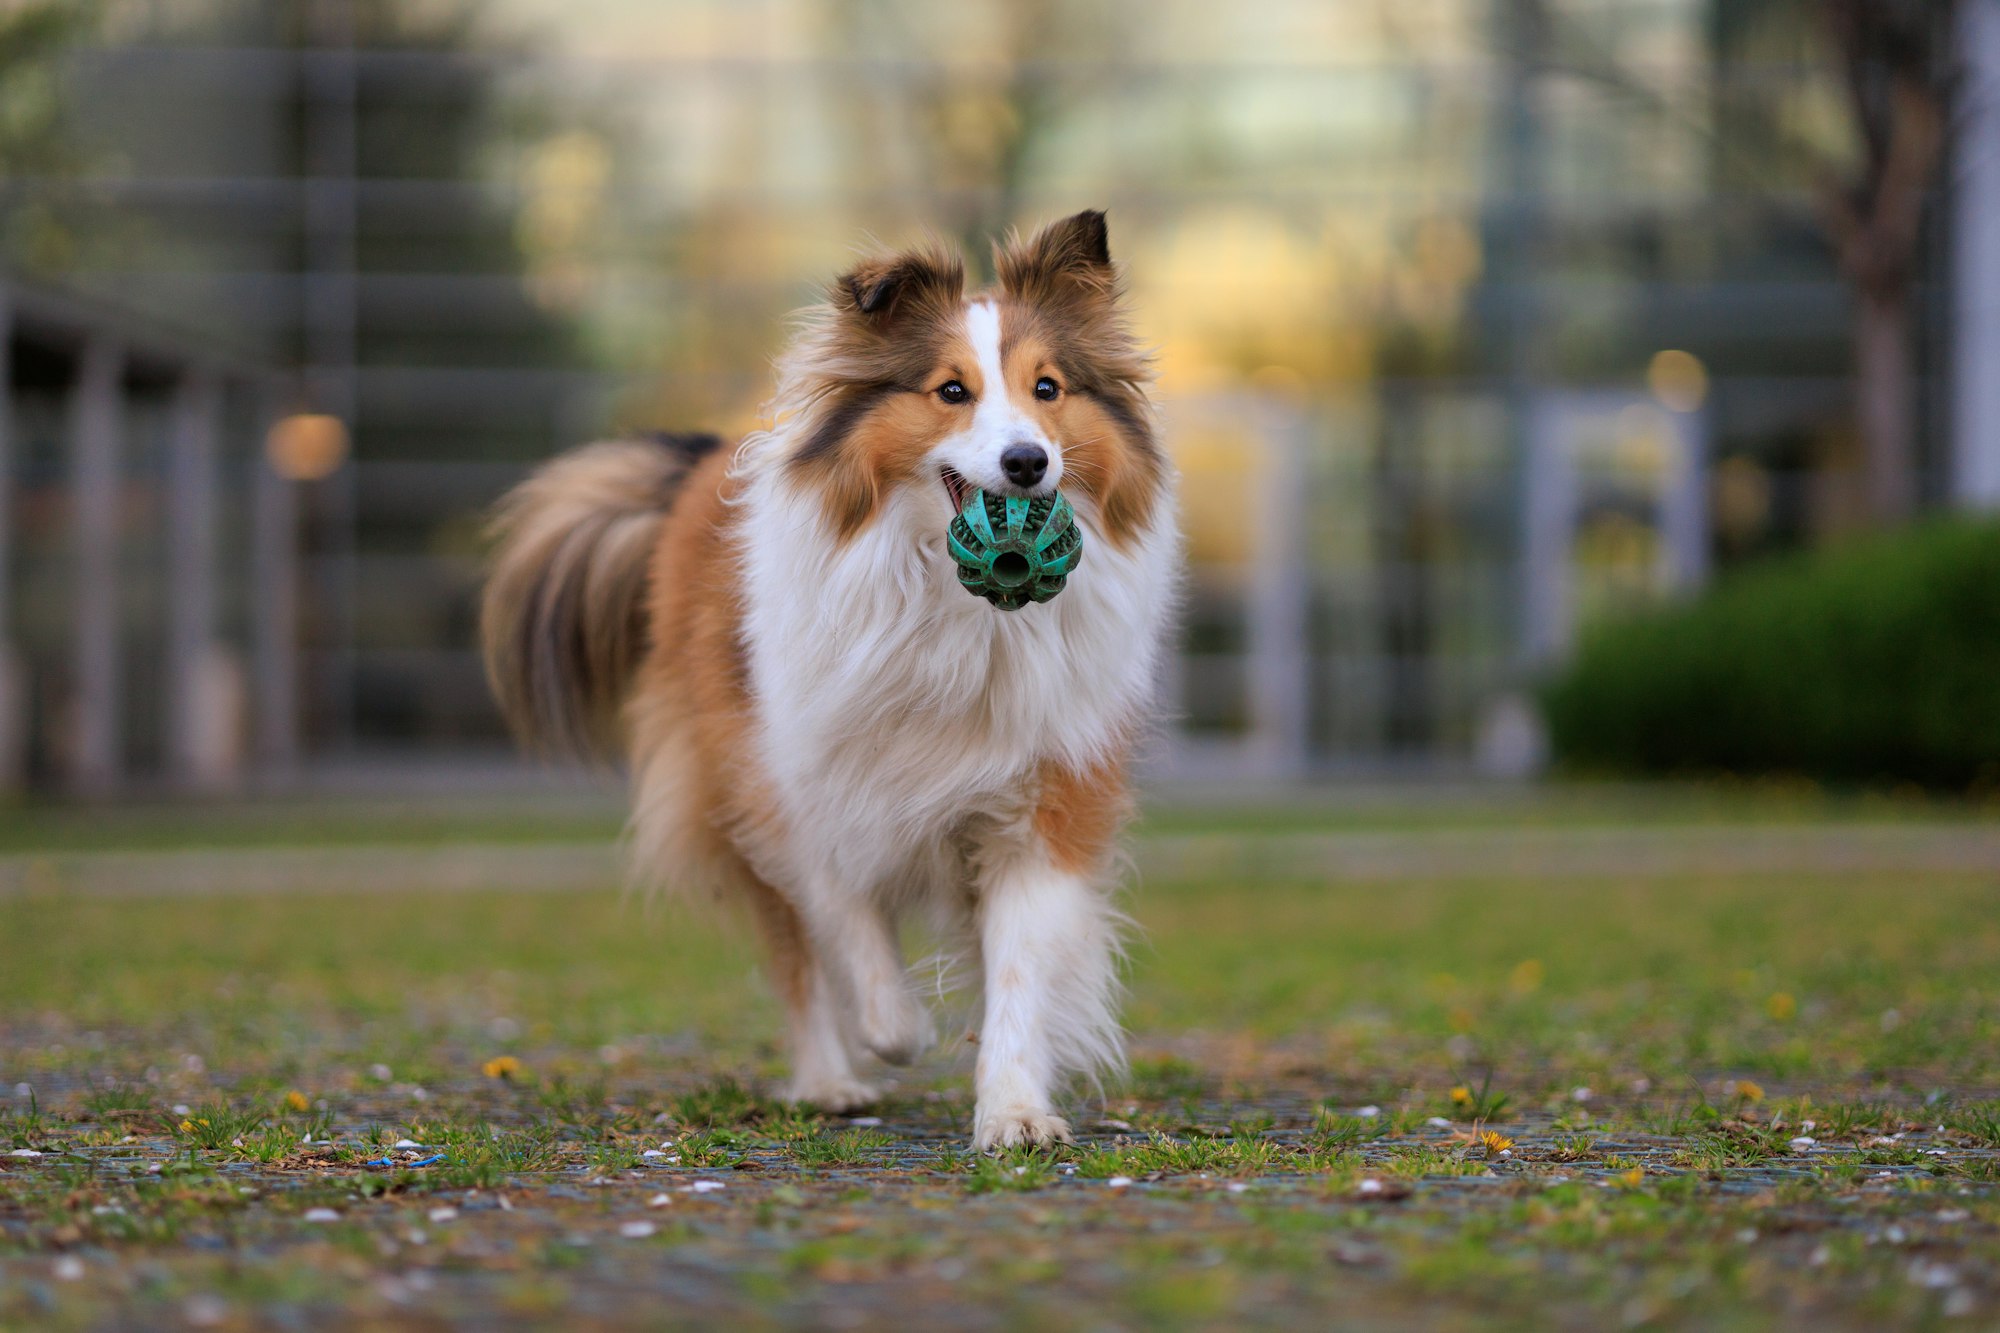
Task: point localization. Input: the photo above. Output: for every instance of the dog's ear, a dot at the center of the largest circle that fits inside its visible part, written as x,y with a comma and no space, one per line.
884,290
1067,258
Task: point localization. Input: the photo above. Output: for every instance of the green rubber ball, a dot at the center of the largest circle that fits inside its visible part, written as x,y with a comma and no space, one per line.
1013,549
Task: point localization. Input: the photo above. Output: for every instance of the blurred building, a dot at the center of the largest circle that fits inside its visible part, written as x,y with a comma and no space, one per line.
1477,318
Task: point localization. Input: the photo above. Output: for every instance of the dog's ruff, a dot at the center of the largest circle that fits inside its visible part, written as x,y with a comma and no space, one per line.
823,724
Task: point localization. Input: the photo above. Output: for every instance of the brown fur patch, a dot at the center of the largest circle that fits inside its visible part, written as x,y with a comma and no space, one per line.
1078,814
1063,315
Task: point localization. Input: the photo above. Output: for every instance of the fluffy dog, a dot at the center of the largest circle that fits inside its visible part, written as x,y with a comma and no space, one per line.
820,722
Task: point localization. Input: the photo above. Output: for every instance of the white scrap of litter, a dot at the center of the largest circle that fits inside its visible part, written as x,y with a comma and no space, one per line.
381,1073
1370,1186
443,1214
1820,1256
1114,1124
636,1230
652,1152
1236,1187
1803,1143
1438,1122
321,1215
1936,1276
1747,1235
659,1201
180,1108
1951,1214
1581,1094
153,1169
1369,1112
1119,1182
69,1268
24,1152
865,1121
702,1186
407,1143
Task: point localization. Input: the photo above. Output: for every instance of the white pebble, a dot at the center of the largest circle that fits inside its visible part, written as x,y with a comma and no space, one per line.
659,1201
652,1152
636,1230
704,1186
865,1121
321,1215
1370,1186
1119,1182
408,1143
24,1152
1369,1112
1438,1122
1581,1094
69,1268
1803,1144
443,1214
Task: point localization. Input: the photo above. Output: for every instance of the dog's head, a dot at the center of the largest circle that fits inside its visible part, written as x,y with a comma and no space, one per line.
908,382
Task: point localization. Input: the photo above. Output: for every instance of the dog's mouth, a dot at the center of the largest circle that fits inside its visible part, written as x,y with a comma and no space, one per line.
957,488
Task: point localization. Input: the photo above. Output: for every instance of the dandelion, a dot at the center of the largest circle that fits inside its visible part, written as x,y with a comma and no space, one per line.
1461,1096
1745,1090
1495,1142
187,1126
1781,1006
296,1100
1631,1179
501,1066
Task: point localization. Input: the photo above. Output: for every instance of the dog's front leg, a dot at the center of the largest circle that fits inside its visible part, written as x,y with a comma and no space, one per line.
856,939
1049,951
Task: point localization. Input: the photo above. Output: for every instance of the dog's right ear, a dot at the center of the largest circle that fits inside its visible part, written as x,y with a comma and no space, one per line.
883,291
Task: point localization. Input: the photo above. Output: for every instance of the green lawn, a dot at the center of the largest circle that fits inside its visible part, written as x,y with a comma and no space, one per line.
1647,1052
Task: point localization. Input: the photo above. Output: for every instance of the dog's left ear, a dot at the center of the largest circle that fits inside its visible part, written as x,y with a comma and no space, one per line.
1064,259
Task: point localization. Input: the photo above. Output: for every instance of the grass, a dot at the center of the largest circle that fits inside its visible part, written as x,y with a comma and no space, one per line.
1442,1104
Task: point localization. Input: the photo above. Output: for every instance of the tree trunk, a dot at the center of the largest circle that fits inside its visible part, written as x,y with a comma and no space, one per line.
1884,404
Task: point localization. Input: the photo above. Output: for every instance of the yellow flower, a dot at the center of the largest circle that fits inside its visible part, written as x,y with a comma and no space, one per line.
1781,1005
1461,1096
1460,1018
1630,1179
187,1126
1526,976
1747,1091
1495,1142
501,1066
297,1100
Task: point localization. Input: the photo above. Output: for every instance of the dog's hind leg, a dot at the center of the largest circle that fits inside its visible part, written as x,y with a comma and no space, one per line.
822,1068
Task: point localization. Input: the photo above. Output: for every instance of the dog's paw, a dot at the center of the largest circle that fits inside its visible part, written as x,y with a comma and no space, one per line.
896,1028
831,1093
1015,1126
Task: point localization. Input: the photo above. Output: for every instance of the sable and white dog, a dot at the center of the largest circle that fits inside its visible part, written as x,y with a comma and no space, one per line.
820,721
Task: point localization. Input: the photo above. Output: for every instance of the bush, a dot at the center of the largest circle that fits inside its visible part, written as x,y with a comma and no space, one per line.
1879,660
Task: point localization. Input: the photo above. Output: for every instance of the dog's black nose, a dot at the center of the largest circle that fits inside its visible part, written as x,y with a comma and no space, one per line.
1024,464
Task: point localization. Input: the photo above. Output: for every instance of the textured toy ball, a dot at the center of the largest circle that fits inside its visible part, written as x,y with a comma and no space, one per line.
1013,550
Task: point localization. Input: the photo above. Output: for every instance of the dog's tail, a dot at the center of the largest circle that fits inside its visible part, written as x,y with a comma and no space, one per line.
564,618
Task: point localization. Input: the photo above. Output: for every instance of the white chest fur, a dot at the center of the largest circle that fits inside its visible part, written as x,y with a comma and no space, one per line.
892,704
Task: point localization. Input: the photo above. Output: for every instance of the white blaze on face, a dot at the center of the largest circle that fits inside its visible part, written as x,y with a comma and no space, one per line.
997,421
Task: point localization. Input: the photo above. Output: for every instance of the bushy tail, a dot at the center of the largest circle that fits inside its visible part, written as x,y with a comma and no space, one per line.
564,618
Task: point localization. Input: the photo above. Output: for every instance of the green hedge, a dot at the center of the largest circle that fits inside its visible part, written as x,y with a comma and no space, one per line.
1876,661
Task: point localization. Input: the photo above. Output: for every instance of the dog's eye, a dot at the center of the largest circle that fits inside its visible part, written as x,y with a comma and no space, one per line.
1046,389
953,392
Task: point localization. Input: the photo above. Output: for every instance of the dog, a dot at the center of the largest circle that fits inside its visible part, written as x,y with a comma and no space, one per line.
820,723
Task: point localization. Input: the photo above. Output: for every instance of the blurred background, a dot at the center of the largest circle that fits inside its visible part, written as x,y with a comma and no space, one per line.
1489,330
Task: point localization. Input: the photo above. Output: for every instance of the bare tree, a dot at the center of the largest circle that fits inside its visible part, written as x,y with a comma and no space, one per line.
1893,57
